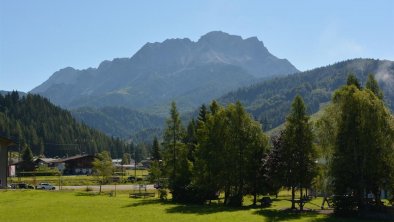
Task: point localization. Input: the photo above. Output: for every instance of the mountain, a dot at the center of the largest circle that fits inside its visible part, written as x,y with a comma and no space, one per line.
118,121
50,130
269,101
188,72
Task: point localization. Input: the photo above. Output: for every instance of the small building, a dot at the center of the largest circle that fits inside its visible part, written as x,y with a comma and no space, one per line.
146,164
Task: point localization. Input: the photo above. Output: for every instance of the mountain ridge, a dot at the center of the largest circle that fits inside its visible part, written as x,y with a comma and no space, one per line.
165,71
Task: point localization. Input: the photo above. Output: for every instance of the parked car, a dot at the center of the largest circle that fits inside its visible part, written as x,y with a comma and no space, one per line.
45,186
158,185
21,186
133,179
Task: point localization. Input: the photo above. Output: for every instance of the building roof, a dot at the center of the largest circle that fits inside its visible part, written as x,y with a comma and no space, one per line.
47,160
74,158
4,141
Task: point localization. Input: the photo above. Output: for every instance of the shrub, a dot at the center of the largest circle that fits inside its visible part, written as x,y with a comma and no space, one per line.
344,205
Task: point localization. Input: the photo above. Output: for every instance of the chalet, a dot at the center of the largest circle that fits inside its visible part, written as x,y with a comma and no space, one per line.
78,165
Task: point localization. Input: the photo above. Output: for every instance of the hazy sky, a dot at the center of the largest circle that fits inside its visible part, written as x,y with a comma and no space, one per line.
40,37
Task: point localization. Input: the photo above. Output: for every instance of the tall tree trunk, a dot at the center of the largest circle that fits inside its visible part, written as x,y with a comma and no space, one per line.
301,200
254,198
226,194
377,194
292,198
255,191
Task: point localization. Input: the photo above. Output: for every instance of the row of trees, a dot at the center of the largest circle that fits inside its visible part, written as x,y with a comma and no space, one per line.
347,151
222,150
226,150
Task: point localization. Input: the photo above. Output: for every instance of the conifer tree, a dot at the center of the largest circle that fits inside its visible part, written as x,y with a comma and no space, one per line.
373,85
156,150
298,150
176,164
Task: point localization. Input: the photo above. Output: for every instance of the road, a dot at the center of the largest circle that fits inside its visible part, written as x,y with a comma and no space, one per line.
107,187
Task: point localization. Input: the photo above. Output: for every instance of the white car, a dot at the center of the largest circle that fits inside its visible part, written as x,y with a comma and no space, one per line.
45,186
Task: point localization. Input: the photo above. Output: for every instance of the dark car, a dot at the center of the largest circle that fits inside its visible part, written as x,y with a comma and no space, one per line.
21,186
133,179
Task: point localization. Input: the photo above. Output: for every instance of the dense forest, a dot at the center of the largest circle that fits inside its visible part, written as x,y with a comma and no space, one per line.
48,130
270,100
120,122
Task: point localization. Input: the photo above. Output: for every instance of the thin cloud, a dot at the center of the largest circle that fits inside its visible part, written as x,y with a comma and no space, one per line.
336,44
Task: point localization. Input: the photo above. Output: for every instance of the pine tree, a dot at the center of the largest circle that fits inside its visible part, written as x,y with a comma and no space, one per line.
176,164
156,150
27,155
202,115
352,80
191,140
373,85
298,150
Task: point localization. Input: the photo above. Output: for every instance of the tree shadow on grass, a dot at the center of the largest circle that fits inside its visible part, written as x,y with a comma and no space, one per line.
188,208
87,194
204,209
272,215
143,202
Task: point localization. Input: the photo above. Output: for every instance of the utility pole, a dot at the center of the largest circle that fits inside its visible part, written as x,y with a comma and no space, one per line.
135,164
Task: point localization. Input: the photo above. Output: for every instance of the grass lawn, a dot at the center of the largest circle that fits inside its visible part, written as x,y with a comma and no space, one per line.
34,205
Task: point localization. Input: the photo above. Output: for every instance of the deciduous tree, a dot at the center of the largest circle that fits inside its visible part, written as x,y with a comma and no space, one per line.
102,166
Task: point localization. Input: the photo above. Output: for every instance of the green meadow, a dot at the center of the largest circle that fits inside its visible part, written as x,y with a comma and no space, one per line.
67,206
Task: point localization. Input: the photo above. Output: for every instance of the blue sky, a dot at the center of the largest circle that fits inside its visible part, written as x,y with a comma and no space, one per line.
40,37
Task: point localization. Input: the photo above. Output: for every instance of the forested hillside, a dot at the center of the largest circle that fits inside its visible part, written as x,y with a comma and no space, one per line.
33,121
269,101
118,121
